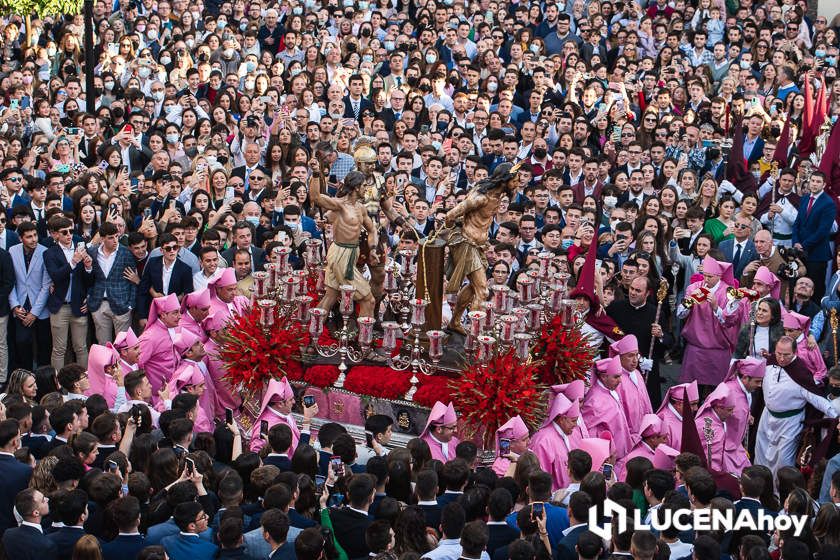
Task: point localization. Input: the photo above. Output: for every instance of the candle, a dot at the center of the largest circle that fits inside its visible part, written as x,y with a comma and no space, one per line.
556,300
476,321
534,319
346,306
266,312
509,301
545,262
269,270
435,344
322,276
281,258
521,315
389,335
562,279
418,311
313,251
489,316
302,311
260,284
535,276
568,312
366,330
485,347
522,345
276,276
526,289
406,257
301,278
508,326
289,288
390,284
469,343
499,301
316,322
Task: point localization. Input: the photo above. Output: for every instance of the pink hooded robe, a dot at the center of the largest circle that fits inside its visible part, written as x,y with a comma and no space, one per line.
632,390
514,429
552,446
276,391
741,315
124,340
574,391
189,374
100,357
665,457
157,350
811,357
442,414
722,459
738,424
207,401
651,426
225,395
603,411
217,306
200,299
671,420
708,342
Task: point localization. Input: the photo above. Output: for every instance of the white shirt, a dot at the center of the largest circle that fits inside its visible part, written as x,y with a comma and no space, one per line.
68,254
200,280
167,276
33,525
105,263
781,393
443,446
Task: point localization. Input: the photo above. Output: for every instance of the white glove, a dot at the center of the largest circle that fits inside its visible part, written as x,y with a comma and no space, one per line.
645,364
727,187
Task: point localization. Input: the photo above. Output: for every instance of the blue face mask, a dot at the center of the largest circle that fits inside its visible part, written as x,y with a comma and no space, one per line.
253,220
250,66
566,243
291,225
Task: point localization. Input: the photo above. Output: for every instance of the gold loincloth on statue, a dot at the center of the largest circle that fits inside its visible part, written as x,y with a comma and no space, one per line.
465,257
340,259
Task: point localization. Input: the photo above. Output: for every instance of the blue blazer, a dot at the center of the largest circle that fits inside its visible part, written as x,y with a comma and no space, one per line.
62,278
181,547
65,540
32,284
124,547
11,239
15,476
28,543
156,533
813,231
180,283
566,549
748,254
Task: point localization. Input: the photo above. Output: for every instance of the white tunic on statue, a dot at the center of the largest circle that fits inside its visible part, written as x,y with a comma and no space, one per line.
778,438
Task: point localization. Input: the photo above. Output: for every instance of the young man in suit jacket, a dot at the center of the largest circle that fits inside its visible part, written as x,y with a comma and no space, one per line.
579,505
280,440
14,474
187,544
426,490
28,542
499,532
163,275
67,300
129,541
111,296
351,521
28,300
812,231
71,509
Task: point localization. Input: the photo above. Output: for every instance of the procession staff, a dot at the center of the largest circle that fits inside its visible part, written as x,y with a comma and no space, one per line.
712,427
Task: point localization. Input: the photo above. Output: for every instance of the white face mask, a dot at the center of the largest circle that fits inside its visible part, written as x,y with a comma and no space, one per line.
158,95
165,60
610,201
172,138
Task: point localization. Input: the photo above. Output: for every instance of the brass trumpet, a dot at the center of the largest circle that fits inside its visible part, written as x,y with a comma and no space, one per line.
740,293
697,297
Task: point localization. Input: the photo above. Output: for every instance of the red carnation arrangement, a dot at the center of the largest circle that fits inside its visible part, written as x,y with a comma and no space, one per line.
253,355
563,353
433,388
378,381
491,393
321,375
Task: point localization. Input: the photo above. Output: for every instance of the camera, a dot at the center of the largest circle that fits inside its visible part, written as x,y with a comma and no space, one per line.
790,268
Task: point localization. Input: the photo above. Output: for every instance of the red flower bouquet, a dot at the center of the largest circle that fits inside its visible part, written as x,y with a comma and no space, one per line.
433,388
378,381
253,355
562,353
491,393
321,375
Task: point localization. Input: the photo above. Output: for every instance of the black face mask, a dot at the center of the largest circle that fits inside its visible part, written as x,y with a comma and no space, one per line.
834,391
365,32
713,153
540,153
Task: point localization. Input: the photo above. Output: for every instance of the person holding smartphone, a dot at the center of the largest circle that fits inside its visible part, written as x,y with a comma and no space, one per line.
276,409
512,440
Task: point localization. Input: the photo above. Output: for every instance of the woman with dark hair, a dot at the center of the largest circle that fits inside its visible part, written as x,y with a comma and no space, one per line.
399,481
46,380
410,532
305,461
143,446
163,469
757,340
420,453
595,486
637,469
85,447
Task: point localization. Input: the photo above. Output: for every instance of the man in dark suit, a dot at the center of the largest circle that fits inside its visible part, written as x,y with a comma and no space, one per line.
812,231
129,542
192,520
355,102
14,474
71,509
579,504
752,487
163,275
499,532
242,238
350,522
66,301
7,281
139,155
275,526
753,143
740,250
455,475
28,542
280,440
426,489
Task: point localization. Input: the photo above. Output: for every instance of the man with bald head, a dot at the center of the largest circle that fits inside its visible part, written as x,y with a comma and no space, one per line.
636,315
768,256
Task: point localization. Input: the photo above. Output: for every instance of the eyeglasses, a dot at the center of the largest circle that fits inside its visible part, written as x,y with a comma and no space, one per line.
741,226
169,248
15,179
65,231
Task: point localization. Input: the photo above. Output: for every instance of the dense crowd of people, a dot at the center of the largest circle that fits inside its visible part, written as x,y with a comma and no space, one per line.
652,141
